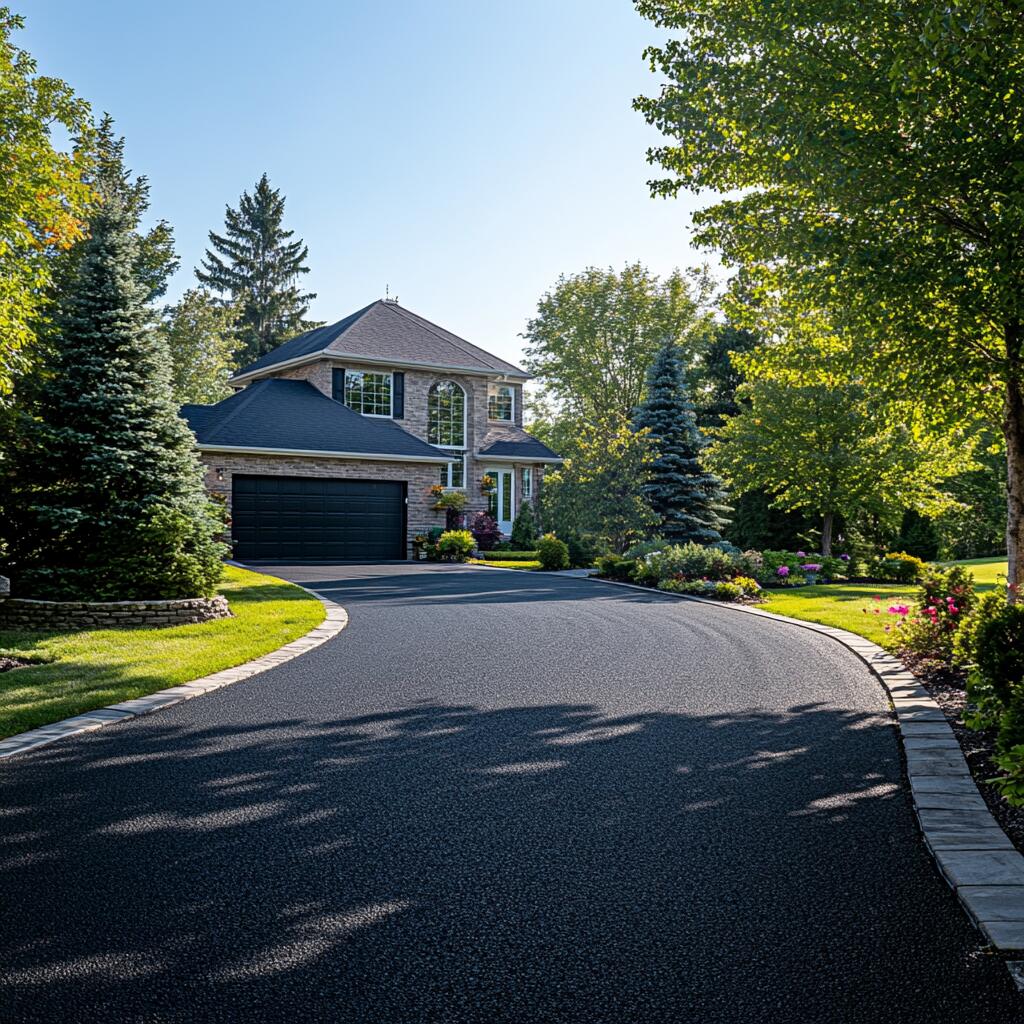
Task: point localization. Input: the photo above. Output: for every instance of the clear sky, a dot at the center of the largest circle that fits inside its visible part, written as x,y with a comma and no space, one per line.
463,152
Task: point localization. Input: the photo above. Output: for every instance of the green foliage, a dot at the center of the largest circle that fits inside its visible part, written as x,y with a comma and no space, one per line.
686,497
584,550
596,333
45,197
104,493
524,529
736,589
829,448
455,545
616,567
945,603
199,334
898,567
257,265
918,536
598,489
975,525
755,522
716,376
687,561
552,553
1011,782
858,189
514,556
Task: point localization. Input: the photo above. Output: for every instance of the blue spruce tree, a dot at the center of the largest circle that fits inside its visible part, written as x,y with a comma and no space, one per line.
688,499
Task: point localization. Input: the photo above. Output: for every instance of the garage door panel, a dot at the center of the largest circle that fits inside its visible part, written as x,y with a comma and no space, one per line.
317,519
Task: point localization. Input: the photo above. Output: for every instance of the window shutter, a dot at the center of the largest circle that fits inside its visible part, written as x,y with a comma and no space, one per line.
398,396
338,385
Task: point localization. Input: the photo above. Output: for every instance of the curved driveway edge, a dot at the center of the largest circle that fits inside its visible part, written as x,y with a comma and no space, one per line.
334,622
972,852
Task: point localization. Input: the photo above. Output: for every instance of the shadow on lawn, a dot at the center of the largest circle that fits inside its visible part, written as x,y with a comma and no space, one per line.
445,862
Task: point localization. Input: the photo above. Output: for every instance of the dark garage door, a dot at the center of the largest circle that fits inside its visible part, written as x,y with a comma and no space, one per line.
305,519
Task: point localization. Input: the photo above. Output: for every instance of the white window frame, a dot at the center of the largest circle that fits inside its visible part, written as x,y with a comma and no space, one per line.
459,455
390,414
511,402
526,491
449,447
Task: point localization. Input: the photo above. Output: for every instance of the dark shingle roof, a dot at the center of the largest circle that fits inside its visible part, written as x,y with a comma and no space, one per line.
385,331
512,442
292,414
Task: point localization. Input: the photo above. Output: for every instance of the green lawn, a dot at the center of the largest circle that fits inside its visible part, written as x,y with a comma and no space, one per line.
89,669
843,604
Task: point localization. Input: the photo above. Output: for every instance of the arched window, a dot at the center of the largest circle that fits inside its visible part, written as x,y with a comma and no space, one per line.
446,427
446,415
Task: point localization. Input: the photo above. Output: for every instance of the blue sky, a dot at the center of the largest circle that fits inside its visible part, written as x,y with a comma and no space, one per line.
463,153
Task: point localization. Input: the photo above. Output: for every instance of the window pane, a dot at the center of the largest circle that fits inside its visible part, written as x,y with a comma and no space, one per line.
499,402
368,393
455,474
446,415
506,496
527,483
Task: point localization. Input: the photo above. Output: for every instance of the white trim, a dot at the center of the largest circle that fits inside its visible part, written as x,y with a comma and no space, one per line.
390,414
340,358
314,454
512,396
524,460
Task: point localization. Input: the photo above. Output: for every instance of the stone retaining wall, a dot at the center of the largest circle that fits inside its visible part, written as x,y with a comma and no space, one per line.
25,613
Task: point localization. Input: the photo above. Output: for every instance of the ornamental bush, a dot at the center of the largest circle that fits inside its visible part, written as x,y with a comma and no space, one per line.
945,600
524,529
455,545
898,567
485,529
552,553
616,567
685,561
584,550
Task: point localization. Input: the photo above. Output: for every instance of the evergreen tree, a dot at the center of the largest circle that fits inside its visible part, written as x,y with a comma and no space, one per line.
524,529
256,264
687,499
105,496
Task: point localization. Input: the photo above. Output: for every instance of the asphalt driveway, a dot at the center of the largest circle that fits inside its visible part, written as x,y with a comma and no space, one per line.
494,797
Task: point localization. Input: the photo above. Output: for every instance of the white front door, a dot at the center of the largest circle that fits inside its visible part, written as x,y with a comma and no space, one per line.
501,500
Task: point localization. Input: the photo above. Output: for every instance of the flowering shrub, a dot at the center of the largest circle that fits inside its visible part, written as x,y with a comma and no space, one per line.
946,598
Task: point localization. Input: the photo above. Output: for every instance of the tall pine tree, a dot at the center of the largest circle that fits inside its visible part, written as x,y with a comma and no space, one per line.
687,499
256,264
104,496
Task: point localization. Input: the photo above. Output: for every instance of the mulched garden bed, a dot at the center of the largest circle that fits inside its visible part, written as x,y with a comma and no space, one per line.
948,689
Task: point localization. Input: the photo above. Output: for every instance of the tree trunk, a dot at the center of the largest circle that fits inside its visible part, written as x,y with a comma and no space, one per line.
1013,430
826,534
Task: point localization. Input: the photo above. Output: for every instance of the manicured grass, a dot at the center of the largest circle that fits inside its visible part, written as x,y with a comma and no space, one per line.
498,563
89,669
843,604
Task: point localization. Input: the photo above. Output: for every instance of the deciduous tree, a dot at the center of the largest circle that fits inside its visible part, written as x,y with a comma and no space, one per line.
200,338
874,154
44,195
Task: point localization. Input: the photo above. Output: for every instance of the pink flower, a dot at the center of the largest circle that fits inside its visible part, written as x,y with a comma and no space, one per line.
898,609
783,571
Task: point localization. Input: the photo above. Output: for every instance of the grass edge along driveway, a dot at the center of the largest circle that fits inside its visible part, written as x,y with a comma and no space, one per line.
87,669
843,604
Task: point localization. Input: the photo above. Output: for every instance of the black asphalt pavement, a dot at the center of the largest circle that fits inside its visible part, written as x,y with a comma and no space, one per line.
494,797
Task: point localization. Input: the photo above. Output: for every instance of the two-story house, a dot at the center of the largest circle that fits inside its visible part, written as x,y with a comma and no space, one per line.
329,449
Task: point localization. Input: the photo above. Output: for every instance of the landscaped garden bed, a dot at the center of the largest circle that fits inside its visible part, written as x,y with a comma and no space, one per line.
70,672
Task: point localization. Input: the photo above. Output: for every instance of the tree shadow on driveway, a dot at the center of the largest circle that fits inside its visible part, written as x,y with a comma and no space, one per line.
446,862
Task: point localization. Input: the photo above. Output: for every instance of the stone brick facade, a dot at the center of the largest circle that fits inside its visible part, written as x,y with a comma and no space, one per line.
419,477
24,613
417,387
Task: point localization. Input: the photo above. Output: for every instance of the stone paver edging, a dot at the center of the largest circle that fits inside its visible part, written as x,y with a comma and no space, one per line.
334,622
971,850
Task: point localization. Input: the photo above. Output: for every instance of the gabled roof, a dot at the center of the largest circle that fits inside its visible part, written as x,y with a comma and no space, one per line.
292,416
384,332
514,443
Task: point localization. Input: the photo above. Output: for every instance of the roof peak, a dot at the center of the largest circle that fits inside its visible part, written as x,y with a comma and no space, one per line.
406,338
